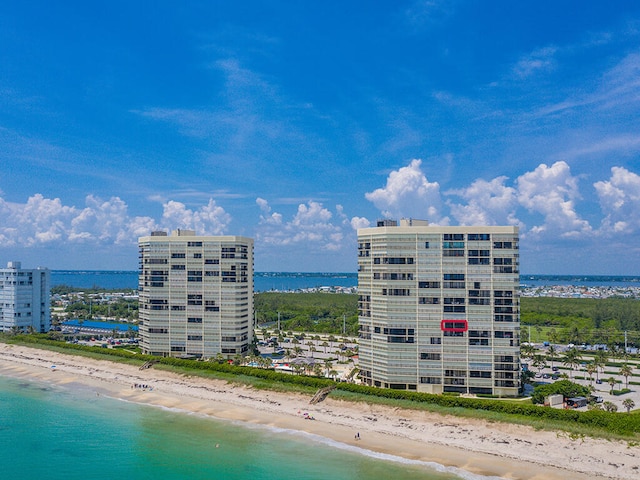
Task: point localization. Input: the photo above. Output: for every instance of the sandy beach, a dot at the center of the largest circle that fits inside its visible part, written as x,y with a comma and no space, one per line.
492,449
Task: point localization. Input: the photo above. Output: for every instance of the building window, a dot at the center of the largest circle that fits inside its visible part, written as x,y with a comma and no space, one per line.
454,325
428,300
431,380
430,356
478,236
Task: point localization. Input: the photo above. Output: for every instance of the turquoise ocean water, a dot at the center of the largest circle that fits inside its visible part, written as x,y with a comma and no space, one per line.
291,281
69,432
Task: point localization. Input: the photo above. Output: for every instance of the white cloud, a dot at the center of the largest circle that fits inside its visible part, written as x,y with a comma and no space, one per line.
489,203
210,219
620,202
551,192
359,222
269,218
312,224
408,193
45,221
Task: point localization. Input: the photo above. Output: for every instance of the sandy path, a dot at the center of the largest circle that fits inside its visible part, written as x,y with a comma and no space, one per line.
505,450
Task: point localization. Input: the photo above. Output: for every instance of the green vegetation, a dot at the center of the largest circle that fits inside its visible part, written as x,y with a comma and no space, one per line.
309,312
557,320
120,309
562,387
594,423
578,320
67,289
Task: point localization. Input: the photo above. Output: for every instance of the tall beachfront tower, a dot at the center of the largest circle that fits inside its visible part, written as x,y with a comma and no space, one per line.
196,294
25,299
439,308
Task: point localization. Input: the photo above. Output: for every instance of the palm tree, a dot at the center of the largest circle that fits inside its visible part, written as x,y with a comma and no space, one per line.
611,381
325,344
610,407
312,349
601,360
591,369
527,351
328,365
551,352
628,404
538,362
626,372
572,359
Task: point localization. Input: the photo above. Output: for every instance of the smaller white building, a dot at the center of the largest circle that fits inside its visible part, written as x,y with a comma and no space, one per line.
25,298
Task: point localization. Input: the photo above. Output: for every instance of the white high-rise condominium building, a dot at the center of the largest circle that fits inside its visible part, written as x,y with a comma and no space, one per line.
196,294
439,308
25,303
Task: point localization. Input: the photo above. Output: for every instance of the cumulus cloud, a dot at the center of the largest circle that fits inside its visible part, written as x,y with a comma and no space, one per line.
311,224
408,193
211,219
488,203
46,221
542,202
359,222
552,192
267,217
620,201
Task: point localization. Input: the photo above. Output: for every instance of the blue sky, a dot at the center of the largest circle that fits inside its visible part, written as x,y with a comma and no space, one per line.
296,123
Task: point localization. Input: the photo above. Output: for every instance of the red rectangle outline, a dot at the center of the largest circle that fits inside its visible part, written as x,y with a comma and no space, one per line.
444,329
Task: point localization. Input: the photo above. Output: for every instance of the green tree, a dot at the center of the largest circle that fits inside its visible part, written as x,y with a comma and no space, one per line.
600,361
328,366
612,382
527,351
626,372
571,358
610,407
628,404
538,361
565,388
591,370
551,353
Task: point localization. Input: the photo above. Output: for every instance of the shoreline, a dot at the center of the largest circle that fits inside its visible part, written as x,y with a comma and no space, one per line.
477,446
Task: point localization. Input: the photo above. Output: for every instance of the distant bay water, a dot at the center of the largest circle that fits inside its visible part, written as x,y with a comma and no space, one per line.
292,281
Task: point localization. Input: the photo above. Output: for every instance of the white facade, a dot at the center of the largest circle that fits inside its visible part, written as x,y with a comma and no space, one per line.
439,308
196,294
25,299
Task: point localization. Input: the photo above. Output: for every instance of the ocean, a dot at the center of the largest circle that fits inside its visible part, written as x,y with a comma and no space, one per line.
68,433
263,281
292,281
